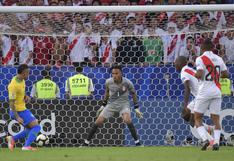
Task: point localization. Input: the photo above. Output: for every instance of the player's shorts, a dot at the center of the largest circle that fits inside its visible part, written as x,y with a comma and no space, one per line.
191,106
110,110
26,115
202,105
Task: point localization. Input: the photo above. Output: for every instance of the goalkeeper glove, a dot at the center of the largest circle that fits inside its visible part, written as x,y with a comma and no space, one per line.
138,113
99,110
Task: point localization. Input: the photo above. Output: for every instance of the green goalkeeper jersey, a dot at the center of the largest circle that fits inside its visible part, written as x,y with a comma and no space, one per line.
153,49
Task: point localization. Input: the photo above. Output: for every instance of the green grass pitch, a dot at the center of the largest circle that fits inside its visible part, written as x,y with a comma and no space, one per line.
158,153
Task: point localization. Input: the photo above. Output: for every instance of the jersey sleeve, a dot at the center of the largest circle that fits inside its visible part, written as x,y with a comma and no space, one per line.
12,91
199,64
131,87
184,77
66,86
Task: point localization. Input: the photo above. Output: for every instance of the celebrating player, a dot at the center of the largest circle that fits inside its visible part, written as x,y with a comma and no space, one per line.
116,100
210,68
19,112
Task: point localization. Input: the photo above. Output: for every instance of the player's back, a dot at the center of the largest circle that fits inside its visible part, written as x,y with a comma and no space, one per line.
16,90
188,73
212,65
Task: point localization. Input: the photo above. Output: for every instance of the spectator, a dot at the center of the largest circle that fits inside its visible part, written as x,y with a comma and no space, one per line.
76,45
218,15
43,49
153,47
105,49
45,88
79,85
171,43
59,56
8,49
190,51
25,44
227,44
130,49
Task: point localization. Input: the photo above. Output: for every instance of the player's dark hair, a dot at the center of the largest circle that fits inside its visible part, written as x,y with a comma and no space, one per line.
79,69
116,66
45,73
21,68
182,59
207,45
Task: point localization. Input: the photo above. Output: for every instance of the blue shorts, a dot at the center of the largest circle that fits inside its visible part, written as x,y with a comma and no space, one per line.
26,115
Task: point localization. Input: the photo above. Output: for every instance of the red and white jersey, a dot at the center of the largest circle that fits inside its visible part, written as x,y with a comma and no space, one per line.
219,16
7,51
212,65
172,44
76,44
115,35
25,47
105,51
190,54
188,74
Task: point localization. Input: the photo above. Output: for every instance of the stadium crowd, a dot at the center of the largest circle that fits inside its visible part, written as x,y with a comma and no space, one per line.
104,38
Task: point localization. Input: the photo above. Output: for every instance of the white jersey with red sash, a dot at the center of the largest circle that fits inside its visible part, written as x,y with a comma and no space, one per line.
212,65
105,51
76,45
219,16
171,47
7,51
188,73
25,47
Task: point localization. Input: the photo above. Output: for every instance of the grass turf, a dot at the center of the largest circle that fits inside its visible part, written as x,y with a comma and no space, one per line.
119,154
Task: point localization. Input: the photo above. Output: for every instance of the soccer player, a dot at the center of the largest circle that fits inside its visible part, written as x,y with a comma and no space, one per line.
116,100
210,68
191,86
19,112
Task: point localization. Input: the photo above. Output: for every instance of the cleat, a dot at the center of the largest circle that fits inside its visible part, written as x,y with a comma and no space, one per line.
10,142
205,144
29,148
215,147
139,144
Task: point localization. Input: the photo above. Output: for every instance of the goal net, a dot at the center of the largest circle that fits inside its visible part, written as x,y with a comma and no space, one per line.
146,42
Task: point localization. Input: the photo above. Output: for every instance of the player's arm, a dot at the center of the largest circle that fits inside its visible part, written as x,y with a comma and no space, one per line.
186,93
200,68
104,101
136,104
106,96
223,69
185,111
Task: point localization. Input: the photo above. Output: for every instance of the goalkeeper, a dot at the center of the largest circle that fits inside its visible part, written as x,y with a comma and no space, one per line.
116,99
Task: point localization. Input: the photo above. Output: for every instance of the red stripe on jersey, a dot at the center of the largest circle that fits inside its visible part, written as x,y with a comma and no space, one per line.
73,43
8,55
192,73
207,62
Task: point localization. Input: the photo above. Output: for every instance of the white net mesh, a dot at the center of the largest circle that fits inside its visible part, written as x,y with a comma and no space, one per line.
145,43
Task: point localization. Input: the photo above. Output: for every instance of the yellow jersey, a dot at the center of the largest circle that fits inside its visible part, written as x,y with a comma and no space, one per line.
16,90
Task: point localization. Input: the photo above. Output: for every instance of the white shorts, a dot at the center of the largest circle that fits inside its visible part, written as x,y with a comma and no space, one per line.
191,106
202,105
109,111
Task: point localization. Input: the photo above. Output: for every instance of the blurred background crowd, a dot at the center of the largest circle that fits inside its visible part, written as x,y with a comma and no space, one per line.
140,38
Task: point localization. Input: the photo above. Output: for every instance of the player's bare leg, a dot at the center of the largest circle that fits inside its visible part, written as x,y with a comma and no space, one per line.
217,131
201,130
127,119
10,142
99,122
